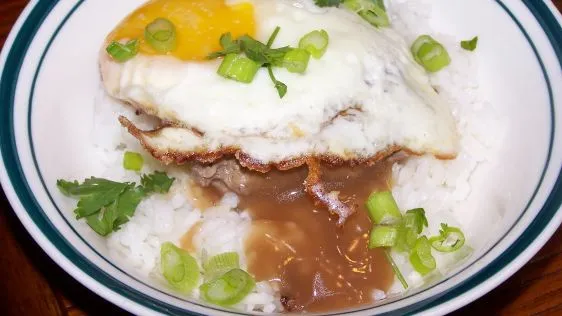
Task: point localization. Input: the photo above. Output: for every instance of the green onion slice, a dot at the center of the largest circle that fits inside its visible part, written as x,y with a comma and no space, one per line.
179,267
382,208
421,258
161,35
416,219
229,289
239,68
133,161
220,264
383,236
123,52
450,239
395,269
296,60
412,225
369,10
470,45
430,54
406,239
315,42
419,42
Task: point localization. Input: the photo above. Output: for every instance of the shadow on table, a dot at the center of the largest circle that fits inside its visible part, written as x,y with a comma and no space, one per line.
71,296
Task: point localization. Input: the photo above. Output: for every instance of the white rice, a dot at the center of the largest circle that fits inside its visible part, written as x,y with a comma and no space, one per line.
443,188
161,218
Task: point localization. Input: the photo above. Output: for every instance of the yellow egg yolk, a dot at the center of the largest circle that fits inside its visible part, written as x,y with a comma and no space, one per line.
199,25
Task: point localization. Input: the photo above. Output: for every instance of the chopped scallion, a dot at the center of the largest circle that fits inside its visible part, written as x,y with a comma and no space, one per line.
229,289
369,10
315,42
430,54
450,239
416,219
383,236
123,52
380,3
179,267
161,35
470,44
383,209
296,60
421,258
395,269
132,161
239,68
220,264
406,238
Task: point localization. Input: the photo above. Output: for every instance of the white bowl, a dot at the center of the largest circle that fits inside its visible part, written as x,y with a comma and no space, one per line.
49,80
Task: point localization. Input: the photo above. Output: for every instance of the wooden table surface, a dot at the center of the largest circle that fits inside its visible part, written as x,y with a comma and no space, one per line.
32,284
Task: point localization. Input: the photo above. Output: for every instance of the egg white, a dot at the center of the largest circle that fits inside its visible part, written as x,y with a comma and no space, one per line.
363,96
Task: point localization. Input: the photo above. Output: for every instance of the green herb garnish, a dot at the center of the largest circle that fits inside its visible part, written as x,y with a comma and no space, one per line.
280,86
395,268
110,218
370,11
262,55
430,54
132,161
328,3
122,52
228,45
220,264
470,44
107,204
383,236
158,182
228,289
421,258
94,193
239,68
383,209
450,239
160,34
179,268
315,42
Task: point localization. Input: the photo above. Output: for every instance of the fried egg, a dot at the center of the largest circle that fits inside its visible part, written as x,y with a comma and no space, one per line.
365,98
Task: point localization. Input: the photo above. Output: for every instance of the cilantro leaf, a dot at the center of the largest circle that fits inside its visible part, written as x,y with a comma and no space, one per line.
158,182
258,52
470,45
275,55
94,193
228,45
255,50
328,3
280,86
107,204
117,213
66,187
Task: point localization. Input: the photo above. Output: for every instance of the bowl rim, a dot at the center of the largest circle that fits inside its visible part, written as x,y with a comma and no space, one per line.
17,44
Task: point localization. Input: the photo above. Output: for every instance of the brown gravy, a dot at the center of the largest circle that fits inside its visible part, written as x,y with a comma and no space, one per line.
317,266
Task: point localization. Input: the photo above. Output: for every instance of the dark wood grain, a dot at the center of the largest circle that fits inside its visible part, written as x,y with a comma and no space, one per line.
31,284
